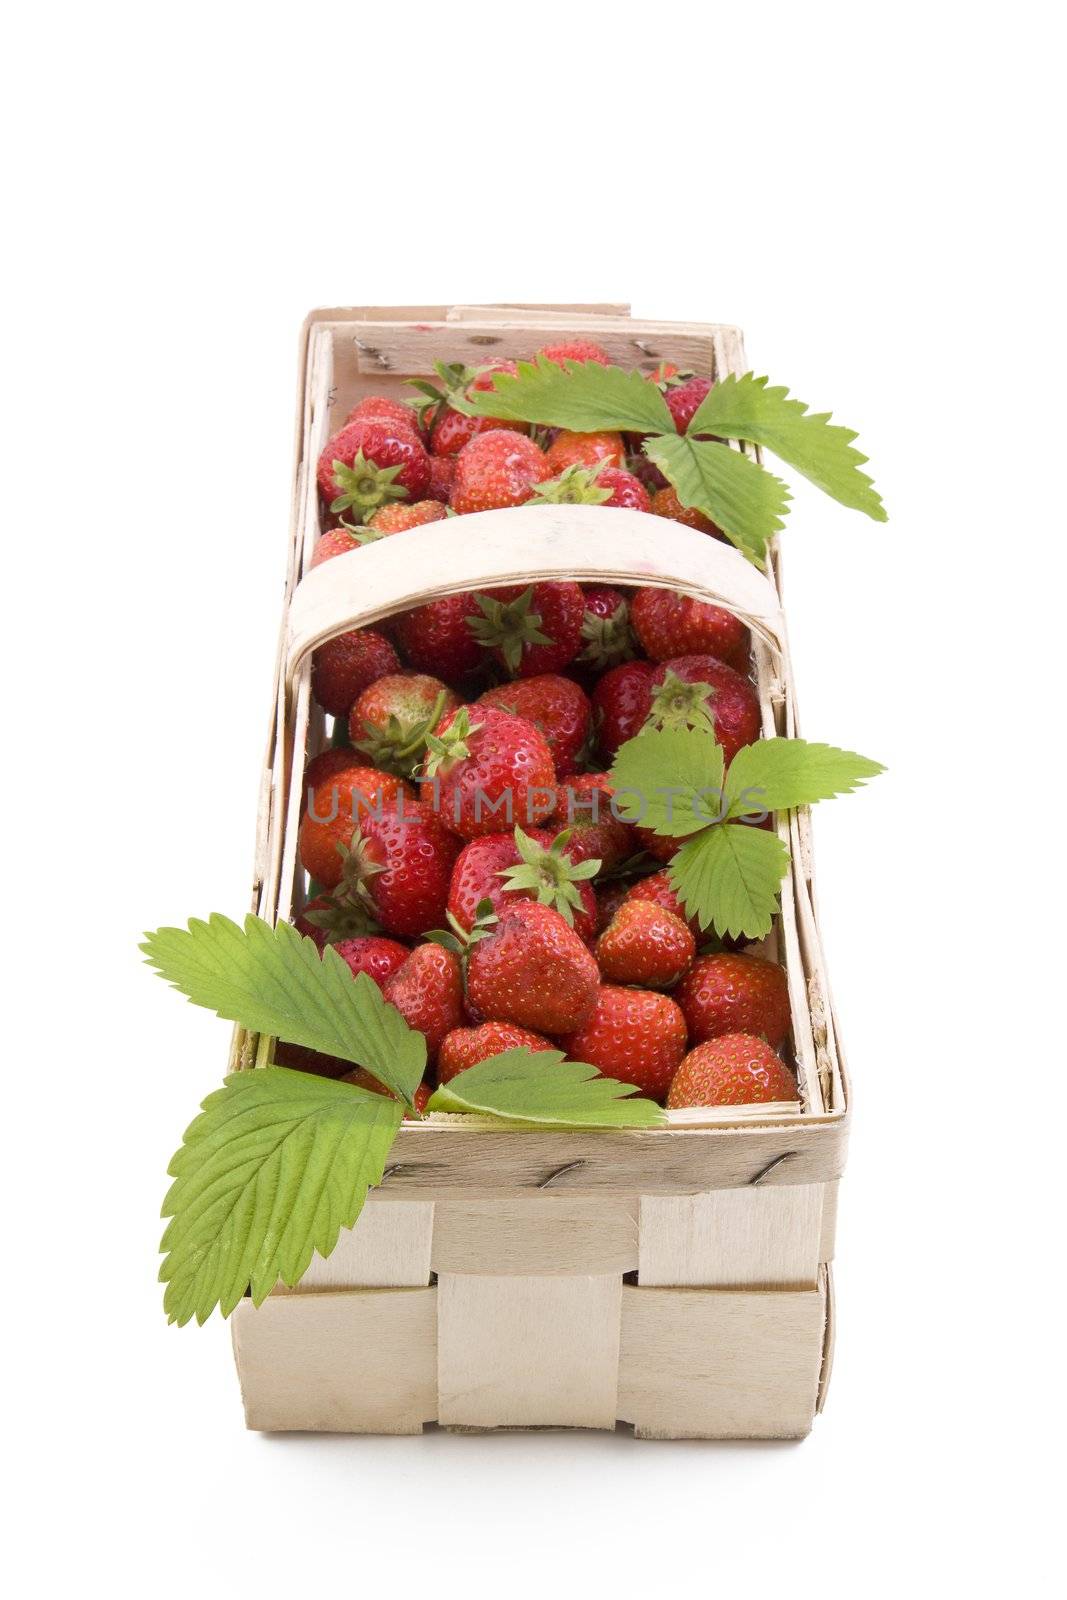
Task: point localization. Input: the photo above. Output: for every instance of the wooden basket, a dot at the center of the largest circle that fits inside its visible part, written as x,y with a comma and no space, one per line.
676,1279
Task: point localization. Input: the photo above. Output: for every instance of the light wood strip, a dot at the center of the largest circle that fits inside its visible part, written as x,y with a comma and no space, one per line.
555,1234
411,348
389,1248
762,1238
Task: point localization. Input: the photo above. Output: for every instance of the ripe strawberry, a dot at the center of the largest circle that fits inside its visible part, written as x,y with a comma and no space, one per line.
734,1070
688,691
369,463
645,945
557,706
378,408
635,1035
465,1047
684,400
327,827
535,865
488,766
665,503
574,350
735,994
583,806
320,773
663,373
583,450
670,624
442,477
534,971
397,865
609,638
403,514
497,468
450,429
378,958
621,704
626,488
436,637
334,542
599,485
390,720
343,667
608,901
533,630
428,992
658,889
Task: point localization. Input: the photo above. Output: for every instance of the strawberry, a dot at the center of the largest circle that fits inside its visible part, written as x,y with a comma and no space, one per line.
396,866
684,400
320,772
621,704
583,806
734,1070
626,489
665,503
304,924
390,720
533,630
670,624
658,889
363,1080
556,706
378,408
343,667
645,945
698,691
436,638
533,970
449,428
583,450
428,992
609,638
599,485
503,868
735,994
465,1047
327,827
369,463
574,350
635,1035
608,901
378,958
403,514
488,767
334,542
663,373
498,468
442,477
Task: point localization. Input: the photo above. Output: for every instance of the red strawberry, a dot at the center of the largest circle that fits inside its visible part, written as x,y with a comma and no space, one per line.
609,638
442,477
735,994
626,489
583,805
320,772
621,704
689,690
598,485
658,889
635,1035
670,624
533,865
403,514
663,372
532,970
428,993
645,945
735,1070
556,706
334,542
684,400
369,463
327,827
583,450
450,429
665,503
575,350
378,408
436,637
498,468
608,901
343,667
533,630
465,1047
378,958
398,865
390,720
488,767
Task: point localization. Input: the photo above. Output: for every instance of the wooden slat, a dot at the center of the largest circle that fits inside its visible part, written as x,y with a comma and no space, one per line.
410,348
338,1363
518,1352
580,314
762,1238
720,1364
555,1234
389,1248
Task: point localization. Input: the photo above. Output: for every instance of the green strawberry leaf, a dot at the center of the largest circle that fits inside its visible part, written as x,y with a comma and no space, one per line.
582,396
277,1163
272,981
781,774
746,408
539,1086
669,780
728,877
741,497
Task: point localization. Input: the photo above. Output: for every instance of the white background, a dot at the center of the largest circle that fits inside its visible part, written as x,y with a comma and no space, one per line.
871,192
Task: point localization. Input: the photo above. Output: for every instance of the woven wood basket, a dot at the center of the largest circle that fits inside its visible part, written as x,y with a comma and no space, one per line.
677,1279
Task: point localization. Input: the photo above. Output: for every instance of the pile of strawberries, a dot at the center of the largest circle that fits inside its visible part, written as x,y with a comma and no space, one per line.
459,833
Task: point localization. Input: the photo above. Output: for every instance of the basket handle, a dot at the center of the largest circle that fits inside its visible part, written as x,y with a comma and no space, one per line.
491,548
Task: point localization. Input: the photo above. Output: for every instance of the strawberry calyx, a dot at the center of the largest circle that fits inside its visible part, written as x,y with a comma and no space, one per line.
548,874
454,379
461,940
365,486
608,640
400,746
575,486
451,745
677,704
349,911
508,626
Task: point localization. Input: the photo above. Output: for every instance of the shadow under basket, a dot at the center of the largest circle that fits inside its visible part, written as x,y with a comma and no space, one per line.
675,1279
